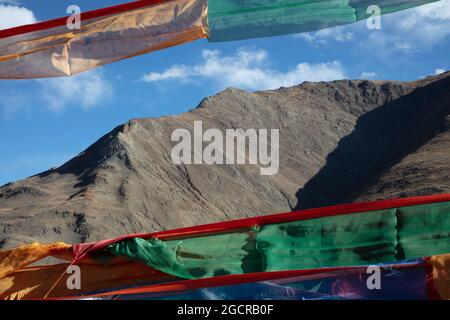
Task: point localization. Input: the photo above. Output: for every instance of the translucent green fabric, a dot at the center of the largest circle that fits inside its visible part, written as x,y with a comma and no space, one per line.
356,239
387,6
244,19
424,230
189,258
344,240
154,253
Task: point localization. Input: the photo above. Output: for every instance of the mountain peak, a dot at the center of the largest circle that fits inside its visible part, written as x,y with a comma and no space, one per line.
340,141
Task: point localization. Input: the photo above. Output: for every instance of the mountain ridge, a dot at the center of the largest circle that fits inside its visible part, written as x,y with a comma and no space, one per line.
126,182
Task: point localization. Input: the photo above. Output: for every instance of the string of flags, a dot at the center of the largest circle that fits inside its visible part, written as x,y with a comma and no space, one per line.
53,49
390,249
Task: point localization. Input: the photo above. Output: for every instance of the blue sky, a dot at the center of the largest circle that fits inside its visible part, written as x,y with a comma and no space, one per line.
43,123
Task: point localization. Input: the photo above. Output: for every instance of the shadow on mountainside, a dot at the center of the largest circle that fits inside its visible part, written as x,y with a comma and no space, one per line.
380,139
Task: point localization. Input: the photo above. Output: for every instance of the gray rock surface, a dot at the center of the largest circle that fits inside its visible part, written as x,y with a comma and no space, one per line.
341,141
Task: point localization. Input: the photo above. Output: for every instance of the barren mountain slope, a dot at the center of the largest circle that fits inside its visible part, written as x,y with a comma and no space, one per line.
126,182
396,150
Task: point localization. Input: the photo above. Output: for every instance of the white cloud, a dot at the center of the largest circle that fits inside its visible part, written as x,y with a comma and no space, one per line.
247,69
411,30
174,72
86,90
12,2
439,71
415,29
368,75
321,37
419,28
12,15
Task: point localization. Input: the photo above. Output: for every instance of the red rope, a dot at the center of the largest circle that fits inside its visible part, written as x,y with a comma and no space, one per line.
84,16
81,250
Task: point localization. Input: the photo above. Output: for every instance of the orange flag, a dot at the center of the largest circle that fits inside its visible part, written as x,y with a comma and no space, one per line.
52,49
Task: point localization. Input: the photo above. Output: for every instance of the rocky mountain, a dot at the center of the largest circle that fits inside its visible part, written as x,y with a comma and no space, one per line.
340,141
